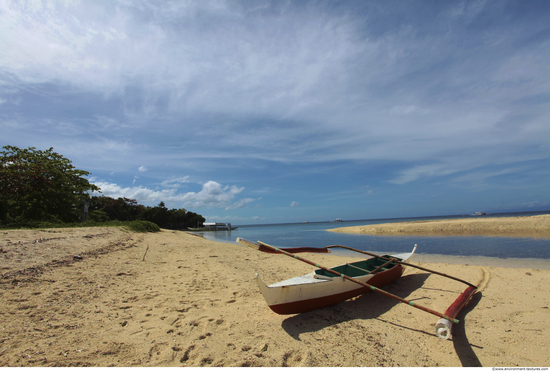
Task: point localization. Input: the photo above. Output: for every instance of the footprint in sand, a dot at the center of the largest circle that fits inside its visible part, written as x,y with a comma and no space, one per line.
185,356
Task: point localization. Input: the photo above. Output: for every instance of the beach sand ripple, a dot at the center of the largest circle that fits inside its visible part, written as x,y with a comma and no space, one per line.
174,299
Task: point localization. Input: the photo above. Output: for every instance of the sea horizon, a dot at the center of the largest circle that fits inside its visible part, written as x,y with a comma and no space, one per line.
406,218
316,234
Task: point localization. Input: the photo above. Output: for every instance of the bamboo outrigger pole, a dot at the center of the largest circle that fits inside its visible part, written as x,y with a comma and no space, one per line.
268,248
373,288
444,326
404,263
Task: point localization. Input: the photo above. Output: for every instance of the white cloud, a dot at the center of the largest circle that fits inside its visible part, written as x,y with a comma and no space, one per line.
212,195
240,203
141,194
176,182
277,85
423,171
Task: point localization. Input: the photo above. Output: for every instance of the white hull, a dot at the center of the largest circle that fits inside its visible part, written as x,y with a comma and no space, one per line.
312,291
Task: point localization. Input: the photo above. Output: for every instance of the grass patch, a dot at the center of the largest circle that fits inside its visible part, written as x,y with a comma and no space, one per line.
136,225
143,226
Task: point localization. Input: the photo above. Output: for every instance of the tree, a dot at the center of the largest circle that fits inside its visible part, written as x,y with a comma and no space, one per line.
123,209
41,185
172,219
103,208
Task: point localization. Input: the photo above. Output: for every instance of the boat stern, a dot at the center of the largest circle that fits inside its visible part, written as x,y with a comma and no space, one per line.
406,256
262,286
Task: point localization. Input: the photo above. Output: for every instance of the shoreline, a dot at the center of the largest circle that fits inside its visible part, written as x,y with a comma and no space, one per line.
484,261
522,226
174,299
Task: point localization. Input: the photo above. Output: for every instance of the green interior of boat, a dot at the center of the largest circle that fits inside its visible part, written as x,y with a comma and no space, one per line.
359,268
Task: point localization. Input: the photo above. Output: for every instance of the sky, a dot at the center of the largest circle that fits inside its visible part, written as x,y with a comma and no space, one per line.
254,112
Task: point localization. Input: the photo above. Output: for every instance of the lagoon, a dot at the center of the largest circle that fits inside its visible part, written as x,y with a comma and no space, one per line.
316,235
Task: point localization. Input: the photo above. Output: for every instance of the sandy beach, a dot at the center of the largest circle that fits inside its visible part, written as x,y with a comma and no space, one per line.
521,226
108,297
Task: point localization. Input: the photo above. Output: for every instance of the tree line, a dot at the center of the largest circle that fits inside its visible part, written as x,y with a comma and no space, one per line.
103,208
43,186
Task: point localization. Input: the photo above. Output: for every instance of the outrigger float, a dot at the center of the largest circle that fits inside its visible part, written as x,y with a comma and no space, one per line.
328,286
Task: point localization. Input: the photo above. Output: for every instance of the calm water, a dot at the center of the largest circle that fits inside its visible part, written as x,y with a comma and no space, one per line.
316,235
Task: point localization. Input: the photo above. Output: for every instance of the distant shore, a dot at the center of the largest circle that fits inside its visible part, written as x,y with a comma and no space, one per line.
522,226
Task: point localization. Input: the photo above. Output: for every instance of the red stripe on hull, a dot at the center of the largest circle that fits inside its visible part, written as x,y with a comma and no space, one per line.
379,280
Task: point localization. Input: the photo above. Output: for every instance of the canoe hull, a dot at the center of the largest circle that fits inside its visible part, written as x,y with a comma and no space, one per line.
340,293
312,292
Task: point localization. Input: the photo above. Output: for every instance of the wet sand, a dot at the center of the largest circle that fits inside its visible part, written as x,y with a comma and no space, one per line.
106,297
522,226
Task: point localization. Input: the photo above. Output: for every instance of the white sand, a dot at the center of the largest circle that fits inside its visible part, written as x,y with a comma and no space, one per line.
174,299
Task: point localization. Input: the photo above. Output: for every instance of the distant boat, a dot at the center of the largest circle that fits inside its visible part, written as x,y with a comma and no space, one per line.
337,220
214,227
480,213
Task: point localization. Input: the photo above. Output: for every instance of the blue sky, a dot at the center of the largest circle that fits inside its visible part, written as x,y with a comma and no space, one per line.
285,111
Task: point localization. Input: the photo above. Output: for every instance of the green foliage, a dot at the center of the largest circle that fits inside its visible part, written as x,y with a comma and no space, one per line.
40,186
137,226
116,209
42,189
143,226
3,209
171,219
125,209
98,216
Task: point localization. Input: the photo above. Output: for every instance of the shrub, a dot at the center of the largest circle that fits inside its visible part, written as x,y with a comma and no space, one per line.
143,226
98,216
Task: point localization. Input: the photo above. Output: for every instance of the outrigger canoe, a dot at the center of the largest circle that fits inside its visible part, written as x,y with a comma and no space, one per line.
328,286
322,288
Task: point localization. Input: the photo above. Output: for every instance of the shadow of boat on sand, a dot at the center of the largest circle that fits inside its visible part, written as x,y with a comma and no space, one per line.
462,345
367,306
372,306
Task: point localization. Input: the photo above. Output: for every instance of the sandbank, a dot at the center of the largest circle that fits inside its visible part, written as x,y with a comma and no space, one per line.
107,297
522,226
